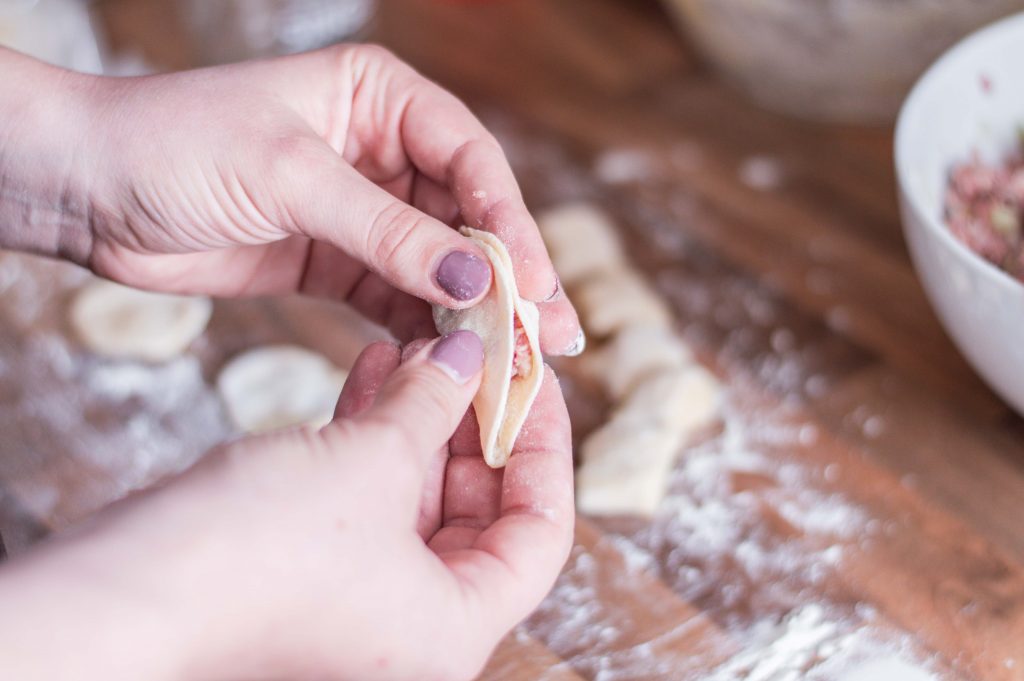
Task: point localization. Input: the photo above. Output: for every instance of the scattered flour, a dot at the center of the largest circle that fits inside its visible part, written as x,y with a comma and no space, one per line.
763,173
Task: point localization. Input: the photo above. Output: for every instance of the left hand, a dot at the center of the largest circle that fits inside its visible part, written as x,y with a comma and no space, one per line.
337,173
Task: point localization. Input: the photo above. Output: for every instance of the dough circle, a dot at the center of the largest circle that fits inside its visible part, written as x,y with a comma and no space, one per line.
280,386
118,321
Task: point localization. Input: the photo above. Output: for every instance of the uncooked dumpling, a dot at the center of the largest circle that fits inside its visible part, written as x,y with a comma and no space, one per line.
681,400
118,321
625,469
614,300
627,462
633,354
513,367
581,240
280,386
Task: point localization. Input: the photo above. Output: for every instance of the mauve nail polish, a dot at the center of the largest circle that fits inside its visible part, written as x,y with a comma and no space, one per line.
463,275
460,354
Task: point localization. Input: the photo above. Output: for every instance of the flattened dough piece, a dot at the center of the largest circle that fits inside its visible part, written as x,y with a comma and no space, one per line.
581,239
614,300
513,367
280,386
632,355
118,321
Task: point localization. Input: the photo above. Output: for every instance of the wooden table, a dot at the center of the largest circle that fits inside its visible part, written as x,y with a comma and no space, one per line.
861,497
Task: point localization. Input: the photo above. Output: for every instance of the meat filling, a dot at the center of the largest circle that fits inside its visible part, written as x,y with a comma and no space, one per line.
522,361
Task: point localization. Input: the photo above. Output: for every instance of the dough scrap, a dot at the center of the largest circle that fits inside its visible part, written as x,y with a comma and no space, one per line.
581,239
614,300
632,355
280,386
504,399
118,321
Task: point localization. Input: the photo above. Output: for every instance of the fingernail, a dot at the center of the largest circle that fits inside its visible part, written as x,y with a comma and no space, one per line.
578,345
460,354
557,293
463,275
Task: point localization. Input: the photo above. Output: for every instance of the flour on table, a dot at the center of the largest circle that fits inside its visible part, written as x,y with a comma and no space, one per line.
280,386
117,321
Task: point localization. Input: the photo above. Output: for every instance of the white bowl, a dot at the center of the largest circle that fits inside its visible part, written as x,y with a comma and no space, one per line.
971,99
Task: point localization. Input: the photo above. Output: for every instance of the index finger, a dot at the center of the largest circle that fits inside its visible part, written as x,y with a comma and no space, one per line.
447,143
519,556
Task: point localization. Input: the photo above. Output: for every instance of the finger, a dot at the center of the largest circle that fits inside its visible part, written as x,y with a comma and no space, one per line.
472,499
560,330
435,200
406,316
513,563
419,406
324,198
433,480
447,143
373,366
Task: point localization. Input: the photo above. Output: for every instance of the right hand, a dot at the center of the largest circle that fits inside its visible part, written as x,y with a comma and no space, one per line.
381,547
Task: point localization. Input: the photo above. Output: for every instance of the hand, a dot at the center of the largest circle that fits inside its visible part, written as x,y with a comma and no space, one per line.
337,173
381,547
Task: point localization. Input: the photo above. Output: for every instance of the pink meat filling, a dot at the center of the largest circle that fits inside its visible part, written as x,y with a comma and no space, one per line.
984,208
522,361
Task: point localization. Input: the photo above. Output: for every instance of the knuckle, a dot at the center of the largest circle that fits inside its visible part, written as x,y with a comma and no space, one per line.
391,233
373,53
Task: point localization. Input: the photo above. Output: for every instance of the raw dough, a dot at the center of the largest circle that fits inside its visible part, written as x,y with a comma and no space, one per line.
681,400
504,398
118,321
625,469
626,463
280,386
614,300
581,240
633,354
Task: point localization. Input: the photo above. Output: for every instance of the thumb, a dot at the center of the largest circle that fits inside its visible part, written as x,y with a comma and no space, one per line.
422,403
327,199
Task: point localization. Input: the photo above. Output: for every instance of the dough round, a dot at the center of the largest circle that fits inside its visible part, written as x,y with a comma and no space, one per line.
117,321
280,386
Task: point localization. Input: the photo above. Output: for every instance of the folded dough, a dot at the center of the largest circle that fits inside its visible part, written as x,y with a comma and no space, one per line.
582,241
513,367
617,299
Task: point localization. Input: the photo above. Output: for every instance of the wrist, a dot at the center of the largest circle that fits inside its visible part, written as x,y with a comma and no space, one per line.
45,117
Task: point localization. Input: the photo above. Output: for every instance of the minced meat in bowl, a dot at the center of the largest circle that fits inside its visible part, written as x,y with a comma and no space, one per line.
984,209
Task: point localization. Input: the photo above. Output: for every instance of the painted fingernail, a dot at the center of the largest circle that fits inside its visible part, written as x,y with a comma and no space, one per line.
557,293
460,354
463,275
578,345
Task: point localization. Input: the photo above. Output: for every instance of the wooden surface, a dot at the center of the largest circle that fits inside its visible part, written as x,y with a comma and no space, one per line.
864,486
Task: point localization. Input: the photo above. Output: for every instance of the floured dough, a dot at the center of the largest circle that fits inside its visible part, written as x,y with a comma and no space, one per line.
581,240
614,300
118,321
633,354
280,386
513,367
681,400
625,469
626,463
